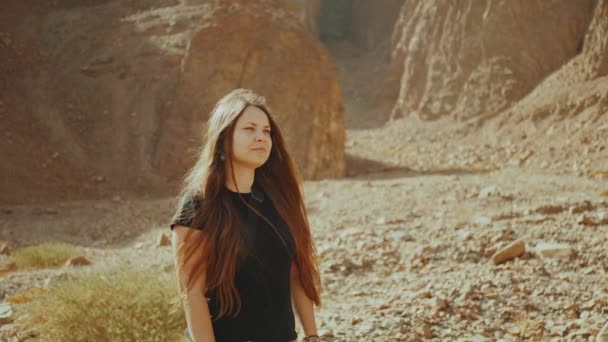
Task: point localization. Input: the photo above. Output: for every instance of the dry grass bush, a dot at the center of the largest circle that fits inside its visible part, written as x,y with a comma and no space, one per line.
44,255
117,306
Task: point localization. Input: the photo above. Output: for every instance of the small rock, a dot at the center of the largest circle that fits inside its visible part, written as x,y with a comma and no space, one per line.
488,191
116,198
586,221
164,240
326,333
425,294
381,221
602,217
51,211
5,249
514,250
602,336
482,220
8,268
366,328
554,250
550,209
78,261
582,207
6,313
441,304
424,330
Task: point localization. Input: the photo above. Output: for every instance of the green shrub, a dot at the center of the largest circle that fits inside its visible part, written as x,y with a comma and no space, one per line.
44,255
116,306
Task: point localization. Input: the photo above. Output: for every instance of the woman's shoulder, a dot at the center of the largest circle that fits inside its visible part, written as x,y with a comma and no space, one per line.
188,206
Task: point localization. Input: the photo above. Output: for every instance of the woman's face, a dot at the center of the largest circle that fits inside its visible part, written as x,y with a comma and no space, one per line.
251,142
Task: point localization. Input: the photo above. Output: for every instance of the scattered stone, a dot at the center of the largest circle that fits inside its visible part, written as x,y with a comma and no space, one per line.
11,266
425,294
586,221
581,207
325,333
164,240
514,250
602,217
5,249
441,304
381,221
366,328
424,330
550,209
488,191
6,313
553,250
482,220
602,336
116,198
78,261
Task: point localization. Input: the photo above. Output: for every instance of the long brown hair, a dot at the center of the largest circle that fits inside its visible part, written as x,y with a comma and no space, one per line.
220,238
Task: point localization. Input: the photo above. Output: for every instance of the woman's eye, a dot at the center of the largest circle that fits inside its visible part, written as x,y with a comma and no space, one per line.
267,131
249,128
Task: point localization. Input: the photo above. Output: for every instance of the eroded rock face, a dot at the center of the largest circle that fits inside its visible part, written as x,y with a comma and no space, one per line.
87,90
468,58
373,21
261,46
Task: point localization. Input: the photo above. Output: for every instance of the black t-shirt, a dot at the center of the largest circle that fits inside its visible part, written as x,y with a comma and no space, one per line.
262,277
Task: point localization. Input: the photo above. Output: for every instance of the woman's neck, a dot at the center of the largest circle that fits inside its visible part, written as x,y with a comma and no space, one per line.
244,179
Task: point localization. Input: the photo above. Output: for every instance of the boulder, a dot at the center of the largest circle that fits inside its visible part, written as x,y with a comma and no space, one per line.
262,46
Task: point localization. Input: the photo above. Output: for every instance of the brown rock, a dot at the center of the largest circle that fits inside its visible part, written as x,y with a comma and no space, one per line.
511,251
5,249
262,46
586,221
78,261
8,268
164,240
6,314
424,330
602,336
554,250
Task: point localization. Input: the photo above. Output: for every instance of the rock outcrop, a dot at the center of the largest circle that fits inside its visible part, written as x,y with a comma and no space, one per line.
261,46
93,93
465,59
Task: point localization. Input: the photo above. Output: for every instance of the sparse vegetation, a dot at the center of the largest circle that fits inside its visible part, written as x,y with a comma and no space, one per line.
44,255
117,306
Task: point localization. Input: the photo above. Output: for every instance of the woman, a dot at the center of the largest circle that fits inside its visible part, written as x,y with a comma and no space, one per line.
241,239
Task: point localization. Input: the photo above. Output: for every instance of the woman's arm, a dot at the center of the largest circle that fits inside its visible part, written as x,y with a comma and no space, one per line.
303,304
195,303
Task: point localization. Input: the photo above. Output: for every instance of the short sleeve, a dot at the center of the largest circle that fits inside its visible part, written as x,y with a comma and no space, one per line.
187,209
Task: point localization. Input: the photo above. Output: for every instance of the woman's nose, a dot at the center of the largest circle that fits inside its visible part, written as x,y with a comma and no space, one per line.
260,136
